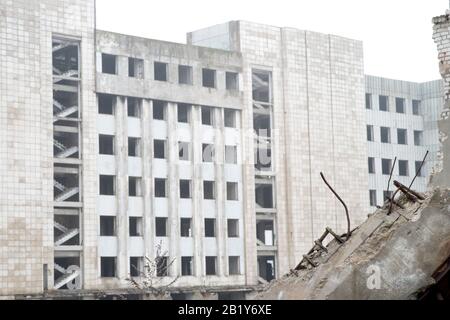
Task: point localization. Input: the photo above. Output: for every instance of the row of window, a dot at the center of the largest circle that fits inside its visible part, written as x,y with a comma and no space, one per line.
136,227
400,104
403,167
107,147
161,72
402,135
107,188
108,266
106,105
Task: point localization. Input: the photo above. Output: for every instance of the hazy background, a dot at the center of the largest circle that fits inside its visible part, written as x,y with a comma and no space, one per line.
396,33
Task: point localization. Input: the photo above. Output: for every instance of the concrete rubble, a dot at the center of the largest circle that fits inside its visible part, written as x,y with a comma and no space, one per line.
387,257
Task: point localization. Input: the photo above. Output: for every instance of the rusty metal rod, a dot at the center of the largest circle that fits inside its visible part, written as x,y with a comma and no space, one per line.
337,237
405,191
390,177
392,201
410,191
343,203
420,169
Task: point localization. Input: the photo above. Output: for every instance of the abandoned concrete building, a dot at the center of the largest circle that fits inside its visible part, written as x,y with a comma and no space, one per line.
116,150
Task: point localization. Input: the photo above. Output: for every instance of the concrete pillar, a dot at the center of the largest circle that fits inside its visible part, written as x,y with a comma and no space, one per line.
173,185
221,186
147,177
197,188
122,187
122,66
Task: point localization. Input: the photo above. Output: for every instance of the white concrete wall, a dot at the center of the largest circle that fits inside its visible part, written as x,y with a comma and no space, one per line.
430,96
26,139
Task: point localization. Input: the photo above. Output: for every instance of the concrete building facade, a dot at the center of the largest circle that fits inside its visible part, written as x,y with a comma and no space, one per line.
200,160
401,122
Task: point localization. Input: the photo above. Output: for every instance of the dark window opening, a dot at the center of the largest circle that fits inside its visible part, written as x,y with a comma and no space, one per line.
370,135
134,107
184,151
402,136
373,198
134,147
108,267
136,68
386,165
403,170
384,103
187,266
418,138
135,187
185,75
233,228
107,226
262,86
208,153
264,196
419,168
211,266
106,145
265,232
385,135
109,63
185,189
159,110
159,149
186,227
106,104
161,227
210,228
400,105
136,227
368,101
234,267
160,71
230,118
231,154
183,113
136,266
209,190
372,165
207,116
209,78
416,107
107,185
266,267
232,191
160,188
232,81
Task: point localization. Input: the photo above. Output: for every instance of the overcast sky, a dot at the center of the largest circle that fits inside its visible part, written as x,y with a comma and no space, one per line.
397,34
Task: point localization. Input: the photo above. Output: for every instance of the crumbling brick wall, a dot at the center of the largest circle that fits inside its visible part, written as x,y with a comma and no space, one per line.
441,36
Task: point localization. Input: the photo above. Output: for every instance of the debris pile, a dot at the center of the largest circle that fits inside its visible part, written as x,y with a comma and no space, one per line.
390,256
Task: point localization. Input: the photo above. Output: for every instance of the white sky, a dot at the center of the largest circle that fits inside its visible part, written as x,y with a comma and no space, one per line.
397,34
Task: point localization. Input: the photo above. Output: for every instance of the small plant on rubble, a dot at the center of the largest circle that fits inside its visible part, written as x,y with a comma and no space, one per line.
151,280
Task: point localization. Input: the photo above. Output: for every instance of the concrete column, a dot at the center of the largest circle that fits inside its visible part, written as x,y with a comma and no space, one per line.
147,177
173,185
221,186
122,187
197,188
122,66
248,181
